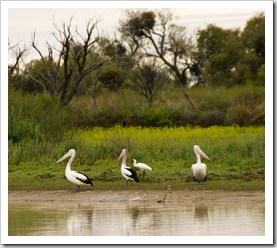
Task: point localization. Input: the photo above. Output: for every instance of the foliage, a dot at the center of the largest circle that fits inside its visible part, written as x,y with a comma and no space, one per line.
111,78
231,57
253,35
22,128
219,50
216,106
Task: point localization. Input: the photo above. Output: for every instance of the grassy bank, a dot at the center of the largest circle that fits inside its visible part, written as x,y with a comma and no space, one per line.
236,153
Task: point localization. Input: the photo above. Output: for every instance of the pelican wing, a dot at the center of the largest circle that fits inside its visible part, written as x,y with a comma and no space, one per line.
82,177
133,174
126,171
192,167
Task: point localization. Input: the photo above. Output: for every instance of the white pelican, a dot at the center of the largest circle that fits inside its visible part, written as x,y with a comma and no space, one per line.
127,172
74,176
142,167
199,169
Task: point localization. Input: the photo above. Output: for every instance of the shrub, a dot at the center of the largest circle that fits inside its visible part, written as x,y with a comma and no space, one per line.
22,128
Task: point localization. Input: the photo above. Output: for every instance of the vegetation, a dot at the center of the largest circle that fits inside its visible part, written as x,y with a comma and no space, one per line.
102,95
242,106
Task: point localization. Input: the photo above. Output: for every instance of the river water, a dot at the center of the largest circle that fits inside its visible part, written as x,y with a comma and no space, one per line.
134,219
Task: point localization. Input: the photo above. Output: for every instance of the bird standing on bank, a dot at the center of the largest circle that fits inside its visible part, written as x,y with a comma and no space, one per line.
142,167
127,172
75,177
199,170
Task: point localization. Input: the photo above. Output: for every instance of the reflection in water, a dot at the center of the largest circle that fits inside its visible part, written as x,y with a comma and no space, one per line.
98,219
201,214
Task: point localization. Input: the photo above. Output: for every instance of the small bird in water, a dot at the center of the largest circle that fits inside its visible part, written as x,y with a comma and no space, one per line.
75,177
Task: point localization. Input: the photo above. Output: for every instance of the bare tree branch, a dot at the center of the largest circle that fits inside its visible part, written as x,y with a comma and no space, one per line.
18,53
72,64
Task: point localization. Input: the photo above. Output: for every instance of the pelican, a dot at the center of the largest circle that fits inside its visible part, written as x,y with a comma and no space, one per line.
142,167
199,169
74,176
127,172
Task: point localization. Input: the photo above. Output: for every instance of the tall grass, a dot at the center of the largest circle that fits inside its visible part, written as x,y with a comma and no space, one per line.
226,146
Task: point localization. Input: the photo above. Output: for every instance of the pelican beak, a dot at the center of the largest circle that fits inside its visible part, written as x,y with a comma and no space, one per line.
199,151
63,158
121,155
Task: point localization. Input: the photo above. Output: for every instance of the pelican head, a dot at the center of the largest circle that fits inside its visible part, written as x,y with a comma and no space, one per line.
197,150
70,153
123,153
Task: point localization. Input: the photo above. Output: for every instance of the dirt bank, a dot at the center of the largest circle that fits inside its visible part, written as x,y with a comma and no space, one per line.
149,196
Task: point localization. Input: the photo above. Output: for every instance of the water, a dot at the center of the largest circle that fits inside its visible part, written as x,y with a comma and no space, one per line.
123,219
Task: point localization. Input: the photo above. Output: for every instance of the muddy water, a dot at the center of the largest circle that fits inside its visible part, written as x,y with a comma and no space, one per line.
100,219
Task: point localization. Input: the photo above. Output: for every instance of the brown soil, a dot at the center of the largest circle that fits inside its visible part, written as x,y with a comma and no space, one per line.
150,196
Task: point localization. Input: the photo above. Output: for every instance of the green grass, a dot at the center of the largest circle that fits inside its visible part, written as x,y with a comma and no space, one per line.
237,158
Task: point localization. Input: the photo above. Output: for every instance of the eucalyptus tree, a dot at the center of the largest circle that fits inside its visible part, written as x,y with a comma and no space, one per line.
219,51
253,39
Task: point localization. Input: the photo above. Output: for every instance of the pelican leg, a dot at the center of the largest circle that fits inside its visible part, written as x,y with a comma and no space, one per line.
127,183
78,189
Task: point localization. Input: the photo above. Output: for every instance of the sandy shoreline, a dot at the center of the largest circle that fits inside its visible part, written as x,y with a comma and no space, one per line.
149,196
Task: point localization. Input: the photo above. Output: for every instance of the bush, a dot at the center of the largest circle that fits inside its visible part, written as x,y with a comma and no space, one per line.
23,128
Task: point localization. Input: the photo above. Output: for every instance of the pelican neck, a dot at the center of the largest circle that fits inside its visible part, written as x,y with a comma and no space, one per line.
124,161
68,167
198,158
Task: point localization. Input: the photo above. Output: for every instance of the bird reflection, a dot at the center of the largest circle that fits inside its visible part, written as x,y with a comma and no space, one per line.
142,218
80,222
201,214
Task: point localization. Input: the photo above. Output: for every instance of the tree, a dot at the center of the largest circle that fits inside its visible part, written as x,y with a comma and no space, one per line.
154,34
18,52
77,56
253,38
111,77
148,78
253,35
229,56
219,50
